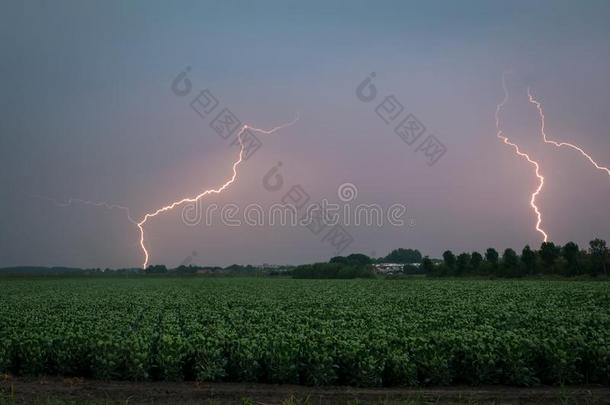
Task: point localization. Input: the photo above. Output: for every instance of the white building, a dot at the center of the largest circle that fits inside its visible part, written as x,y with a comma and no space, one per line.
391,268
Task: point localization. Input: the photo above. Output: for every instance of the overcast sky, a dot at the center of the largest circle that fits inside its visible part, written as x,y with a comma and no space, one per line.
87,111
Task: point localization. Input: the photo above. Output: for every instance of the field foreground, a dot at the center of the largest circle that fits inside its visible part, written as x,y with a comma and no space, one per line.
75,391
367,333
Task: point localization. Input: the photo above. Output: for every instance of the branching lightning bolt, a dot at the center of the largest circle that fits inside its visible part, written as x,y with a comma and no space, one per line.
140,224
560,144
534,163
218,190
98,204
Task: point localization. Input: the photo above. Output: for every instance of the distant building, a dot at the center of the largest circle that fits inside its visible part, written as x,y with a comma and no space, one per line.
392,268
267,266
206,270
388,268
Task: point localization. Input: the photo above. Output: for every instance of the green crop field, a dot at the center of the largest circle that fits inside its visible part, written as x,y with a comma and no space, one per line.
323,332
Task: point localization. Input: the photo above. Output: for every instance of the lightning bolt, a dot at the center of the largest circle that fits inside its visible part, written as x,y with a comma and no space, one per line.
97,204
140,224
560,144
534,163
218,190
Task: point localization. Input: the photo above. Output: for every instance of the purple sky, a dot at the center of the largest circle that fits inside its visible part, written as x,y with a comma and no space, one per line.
88,112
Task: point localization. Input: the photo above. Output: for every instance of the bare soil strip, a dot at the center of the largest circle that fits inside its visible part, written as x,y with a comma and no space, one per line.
75,390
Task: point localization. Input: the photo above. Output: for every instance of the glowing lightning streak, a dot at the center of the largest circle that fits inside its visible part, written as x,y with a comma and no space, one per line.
140,224
102,204
218,190
526,156
560,144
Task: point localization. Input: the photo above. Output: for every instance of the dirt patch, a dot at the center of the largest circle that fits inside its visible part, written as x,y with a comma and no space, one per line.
77,391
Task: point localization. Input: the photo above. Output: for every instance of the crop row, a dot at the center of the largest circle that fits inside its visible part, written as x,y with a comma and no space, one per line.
356,332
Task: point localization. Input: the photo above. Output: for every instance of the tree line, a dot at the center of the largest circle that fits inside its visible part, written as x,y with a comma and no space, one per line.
568,260
356,265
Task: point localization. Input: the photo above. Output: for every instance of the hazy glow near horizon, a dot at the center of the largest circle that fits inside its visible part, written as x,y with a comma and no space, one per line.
89,119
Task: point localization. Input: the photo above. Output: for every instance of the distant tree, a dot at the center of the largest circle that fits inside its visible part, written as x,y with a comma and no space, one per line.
427,265
358,259
528,258
403,256
332,270
599,255
441,269
182,269
338,259
549,253
510,262
462,262
492,256
449,259
157,269
475,260
570,253
355,259
411,269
